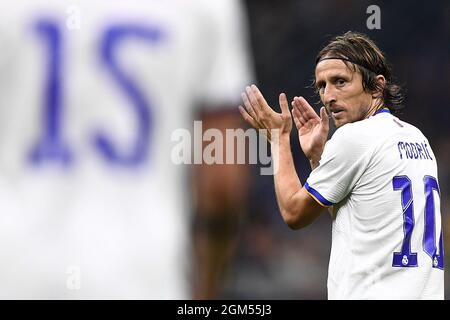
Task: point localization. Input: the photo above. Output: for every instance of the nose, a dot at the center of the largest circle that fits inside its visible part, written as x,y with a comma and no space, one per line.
328,96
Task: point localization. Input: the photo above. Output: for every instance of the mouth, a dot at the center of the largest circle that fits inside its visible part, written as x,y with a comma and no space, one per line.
337,112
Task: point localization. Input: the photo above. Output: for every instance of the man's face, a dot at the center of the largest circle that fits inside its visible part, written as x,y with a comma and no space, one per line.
341,92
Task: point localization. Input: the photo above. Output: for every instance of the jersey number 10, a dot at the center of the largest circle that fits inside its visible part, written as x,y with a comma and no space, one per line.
406,258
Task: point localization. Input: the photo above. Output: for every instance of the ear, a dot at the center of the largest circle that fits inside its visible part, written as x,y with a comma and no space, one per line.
381,83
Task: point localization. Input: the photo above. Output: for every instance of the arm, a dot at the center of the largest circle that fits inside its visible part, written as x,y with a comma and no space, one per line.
297,207
312,131
220,194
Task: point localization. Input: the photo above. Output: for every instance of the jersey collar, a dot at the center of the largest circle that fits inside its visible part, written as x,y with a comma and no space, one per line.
382,110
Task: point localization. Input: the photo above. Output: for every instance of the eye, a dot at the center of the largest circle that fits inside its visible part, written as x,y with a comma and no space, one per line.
320,87
340,82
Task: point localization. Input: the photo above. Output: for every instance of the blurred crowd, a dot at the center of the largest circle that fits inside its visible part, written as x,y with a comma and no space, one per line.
272,261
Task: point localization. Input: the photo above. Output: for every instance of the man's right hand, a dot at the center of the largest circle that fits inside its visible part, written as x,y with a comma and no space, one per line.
260,115
312,129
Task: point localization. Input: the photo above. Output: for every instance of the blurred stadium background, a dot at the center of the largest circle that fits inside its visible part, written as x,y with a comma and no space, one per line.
272,261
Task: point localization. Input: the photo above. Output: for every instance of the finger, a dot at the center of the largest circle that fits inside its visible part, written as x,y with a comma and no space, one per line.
297,121
298,106
298,114
307,110
284,105
260,105
295,103
259,97
248,106
254,111
252,99
324,119
310,112
248,118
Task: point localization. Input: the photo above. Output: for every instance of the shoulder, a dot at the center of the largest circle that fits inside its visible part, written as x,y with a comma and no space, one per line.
354,136
410,127
373,131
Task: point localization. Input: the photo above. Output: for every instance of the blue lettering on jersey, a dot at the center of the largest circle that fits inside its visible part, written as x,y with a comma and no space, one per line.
413,150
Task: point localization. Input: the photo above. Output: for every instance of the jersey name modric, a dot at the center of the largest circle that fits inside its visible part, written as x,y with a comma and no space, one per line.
414,150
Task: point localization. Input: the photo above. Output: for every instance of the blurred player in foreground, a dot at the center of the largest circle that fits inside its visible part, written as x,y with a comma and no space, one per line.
92,204
377,175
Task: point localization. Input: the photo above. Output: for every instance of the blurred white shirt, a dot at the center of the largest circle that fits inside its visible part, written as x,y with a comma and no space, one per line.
78,220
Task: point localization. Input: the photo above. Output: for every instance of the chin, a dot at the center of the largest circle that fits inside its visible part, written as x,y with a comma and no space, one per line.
339,124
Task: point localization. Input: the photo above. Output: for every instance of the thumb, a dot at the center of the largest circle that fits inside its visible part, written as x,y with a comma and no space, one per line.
284,105
324,119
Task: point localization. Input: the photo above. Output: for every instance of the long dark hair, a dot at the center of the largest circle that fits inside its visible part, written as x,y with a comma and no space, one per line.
361,54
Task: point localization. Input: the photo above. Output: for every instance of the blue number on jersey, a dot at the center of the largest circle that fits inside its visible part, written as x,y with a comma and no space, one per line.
50,146
429,237
110,42
406,258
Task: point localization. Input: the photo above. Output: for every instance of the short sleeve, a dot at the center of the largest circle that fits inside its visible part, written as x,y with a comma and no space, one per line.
344,160
229,67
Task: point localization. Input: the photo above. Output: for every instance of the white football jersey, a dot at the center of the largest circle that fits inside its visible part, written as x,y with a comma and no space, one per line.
91,204
380,176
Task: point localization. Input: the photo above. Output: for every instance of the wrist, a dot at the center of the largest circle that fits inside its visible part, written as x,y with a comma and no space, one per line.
281,137
314,157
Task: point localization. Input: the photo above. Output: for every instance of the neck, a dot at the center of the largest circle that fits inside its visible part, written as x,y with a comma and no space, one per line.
375,106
